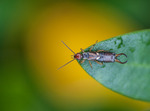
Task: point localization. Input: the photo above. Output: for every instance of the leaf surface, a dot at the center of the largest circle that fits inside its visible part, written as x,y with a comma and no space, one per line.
131,79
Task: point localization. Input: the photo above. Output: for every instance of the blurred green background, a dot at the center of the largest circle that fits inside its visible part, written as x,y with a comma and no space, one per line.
31,52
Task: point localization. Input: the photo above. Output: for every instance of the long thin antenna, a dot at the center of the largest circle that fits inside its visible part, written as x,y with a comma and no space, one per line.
68,47
65,64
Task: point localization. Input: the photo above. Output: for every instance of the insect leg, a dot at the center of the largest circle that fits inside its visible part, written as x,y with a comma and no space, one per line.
98,62
82,61
82,50
90,64
100,51
93,46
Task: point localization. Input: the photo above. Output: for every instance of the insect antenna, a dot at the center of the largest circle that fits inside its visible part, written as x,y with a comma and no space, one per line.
65,64
68,47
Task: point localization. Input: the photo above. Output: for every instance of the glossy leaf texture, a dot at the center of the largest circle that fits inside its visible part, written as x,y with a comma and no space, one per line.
131,79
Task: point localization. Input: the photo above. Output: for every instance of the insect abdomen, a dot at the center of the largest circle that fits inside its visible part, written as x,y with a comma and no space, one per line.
106,57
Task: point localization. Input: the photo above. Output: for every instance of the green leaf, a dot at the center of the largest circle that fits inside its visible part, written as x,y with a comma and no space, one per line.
131,79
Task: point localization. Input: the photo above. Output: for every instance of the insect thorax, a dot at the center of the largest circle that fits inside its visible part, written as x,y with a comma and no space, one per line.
85,55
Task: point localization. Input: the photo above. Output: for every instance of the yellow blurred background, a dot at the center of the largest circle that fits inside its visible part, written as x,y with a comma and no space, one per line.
32,42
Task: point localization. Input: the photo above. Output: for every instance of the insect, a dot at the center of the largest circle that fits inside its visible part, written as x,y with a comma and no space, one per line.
99,56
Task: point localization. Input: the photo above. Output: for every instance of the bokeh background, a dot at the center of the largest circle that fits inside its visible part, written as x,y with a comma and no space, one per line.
31,51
